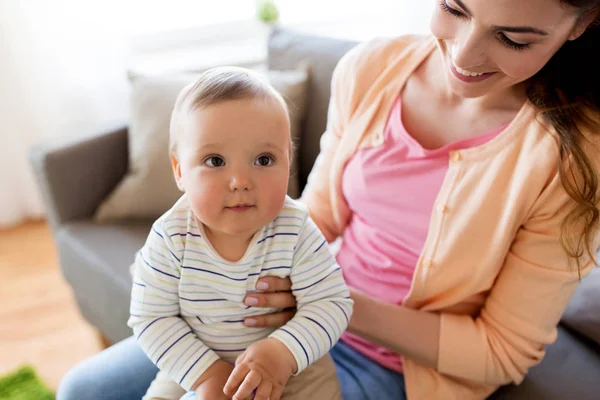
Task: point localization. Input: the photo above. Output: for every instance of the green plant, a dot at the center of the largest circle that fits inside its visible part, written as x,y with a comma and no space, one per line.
24,384
266,11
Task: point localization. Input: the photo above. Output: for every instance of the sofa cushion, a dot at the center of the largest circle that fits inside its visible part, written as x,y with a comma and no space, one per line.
569,371
583,312
148,189
95,260
287,48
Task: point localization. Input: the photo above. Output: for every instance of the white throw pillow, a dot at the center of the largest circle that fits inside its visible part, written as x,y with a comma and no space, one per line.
148,189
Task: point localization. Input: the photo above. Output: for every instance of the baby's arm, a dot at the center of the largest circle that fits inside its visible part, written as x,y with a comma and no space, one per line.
154,313
323,299
324,310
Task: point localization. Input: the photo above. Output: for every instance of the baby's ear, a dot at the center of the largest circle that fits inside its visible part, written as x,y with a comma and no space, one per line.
177,172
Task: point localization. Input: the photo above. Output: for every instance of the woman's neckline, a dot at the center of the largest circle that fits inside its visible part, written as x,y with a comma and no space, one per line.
466,143
506,133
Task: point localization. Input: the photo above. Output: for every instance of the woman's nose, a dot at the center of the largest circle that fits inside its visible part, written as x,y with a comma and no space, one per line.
468,49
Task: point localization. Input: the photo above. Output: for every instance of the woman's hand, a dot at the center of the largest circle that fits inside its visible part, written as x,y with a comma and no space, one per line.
276,293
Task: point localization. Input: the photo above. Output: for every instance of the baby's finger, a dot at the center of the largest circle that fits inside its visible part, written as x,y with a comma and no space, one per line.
276,392
235,379
250,383
263,392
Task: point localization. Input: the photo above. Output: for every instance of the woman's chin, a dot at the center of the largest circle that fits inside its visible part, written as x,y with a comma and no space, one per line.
468,92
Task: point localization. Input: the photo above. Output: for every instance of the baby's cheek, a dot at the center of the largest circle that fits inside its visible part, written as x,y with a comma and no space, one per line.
205,186
274,194
205,200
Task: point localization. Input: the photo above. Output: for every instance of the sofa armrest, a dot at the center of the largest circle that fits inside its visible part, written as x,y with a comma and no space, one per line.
75,177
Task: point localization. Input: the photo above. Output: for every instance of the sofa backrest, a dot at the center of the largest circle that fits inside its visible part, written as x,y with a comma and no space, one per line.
287,49
583,313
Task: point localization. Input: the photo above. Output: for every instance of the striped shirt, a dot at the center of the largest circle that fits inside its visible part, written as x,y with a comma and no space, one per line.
187,301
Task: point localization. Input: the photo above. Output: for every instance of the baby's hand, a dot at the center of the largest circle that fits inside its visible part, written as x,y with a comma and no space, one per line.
265,366
210,395
210,385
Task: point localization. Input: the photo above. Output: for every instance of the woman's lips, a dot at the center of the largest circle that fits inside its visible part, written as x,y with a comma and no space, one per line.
470,79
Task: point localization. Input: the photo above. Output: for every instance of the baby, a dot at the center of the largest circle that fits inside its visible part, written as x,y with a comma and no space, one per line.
231,152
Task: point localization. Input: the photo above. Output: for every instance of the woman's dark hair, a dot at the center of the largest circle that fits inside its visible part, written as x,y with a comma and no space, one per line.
567,92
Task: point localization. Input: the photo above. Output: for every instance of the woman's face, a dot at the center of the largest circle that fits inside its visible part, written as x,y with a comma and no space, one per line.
489,46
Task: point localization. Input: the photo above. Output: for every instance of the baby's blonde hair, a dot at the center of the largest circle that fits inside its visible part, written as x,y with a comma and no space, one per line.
214,86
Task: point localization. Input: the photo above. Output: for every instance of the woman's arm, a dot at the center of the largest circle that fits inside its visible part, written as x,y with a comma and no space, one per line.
317,195
372,319
414,334
518,318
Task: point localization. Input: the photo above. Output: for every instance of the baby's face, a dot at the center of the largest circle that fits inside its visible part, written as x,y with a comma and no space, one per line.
234,162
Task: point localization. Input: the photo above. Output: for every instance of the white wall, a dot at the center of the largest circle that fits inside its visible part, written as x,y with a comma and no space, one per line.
63,63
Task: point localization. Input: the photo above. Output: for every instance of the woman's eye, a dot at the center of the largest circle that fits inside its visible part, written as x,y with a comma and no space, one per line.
513,45
445,7
214,161
503,39
264,161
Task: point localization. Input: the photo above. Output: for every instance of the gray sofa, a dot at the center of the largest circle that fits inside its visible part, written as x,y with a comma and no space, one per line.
75,177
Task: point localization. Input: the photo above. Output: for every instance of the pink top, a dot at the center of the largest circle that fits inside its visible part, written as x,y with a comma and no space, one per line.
391,190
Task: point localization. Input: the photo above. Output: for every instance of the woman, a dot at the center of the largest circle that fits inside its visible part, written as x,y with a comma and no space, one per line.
463,241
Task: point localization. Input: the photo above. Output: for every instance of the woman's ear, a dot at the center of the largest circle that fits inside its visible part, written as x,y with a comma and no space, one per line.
177,172
582,24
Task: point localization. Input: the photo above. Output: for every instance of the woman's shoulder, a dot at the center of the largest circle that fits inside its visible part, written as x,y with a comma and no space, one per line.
385,48
538,144
367,62
370,58
543,132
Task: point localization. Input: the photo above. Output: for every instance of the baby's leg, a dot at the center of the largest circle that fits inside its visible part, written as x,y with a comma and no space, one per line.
318,382
164,388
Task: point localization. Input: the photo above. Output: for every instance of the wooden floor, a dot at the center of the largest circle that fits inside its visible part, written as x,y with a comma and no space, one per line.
39,321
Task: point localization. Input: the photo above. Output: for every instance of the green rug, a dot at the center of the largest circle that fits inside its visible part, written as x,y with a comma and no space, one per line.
24,384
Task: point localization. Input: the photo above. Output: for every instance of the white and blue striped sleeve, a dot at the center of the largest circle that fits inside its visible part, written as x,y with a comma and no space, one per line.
323,299
155,316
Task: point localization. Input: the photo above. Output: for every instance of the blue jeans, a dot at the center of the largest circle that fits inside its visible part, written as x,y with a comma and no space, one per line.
363,379
123,372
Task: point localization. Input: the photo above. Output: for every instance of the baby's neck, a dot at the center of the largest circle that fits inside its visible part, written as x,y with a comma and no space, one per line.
230,247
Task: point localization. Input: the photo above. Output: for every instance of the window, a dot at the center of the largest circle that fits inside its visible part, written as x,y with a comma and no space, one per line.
159,16
180,27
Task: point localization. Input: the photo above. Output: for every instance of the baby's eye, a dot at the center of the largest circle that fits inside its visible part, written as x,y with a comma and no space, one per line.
214,161
264,161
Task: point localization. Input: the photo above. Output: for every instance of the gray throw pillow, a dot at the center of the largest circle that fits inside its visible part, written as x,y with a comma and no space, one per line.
583,312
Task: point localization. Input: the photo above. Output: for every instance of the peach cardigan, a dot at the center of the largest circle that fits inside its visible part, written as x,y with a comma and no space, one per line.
492,264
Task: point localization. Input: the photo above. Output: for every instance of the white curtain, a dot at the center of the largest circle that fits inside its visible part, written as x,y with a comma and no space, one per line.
63,74
63,65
